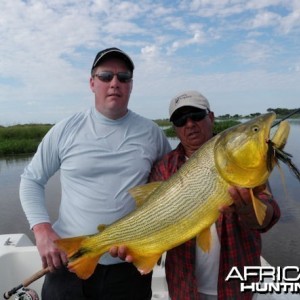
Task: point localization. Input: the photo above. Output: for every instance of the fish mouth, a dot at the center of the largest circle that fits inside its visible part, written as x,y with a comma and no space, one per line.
275,149
276,144
276,154
271,155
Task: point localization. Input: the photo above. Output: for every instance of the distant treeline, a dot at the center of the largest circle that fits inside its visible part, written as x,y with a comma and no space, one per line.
280,112
24,139
218,127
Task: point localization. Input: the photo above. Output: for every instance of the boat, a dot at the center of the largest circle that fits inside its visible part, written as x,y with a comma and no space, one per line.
19,260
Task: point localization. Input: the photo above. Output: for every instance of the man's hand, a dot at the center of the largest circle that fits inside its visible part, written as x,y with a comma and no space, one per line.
50,255
243,207
121,252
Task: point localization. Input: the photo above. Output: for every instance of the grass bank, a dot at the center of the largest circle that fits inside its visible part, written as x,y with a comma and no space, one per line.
24,139
218,127
21,139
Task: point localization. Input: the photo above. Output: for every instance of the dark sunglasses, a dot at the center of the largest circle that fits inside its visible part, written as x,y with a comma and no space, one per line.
195,116
107,76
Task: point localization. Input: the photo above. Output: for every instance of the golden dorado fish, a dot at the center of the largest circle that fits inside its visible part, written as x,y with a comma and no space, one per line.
187,204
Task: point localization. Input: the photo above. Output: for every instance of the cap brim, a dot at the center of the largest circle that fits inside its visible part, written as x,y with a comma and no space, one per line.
114,53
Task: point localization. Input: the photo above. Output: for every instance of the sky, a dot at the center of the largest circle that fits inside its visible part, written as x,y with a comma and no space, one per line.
243,55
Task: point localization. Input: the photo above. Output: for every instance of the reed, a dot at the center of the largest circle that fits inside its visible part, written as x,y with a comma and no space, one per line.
24,139
21,139
218,127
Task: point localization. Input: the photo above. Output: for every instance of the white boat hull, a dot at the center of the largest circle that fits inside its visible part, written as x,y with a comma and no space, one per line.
19,259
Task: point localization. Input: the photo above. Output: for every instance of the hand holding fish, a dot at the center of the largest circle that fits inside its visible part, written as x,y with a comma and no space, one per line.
51,256
121,252
184,206
243,206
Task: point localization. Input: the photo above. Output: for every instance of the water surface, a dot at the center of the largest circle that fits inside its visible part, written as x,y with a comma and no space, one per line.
281,245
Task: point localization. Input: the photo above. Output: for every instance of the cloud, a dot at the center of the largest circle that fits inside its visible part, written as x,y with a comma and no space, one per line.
253,51
219,47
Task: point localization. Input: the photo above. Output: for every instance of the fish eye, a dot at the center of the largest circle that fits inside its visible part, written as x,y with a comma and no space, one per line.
255,128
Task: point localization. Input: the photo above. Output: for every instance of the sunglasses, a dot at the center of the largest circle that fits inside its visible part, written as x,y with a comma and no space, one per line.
107,76
195,116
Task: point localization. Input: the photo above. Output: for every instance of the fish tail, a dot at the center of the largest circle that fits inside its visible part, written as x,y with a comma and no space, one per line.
82,260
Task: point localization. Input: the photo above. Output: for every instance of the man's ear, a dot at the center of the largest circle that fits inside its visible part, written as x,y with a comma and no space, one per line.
92,83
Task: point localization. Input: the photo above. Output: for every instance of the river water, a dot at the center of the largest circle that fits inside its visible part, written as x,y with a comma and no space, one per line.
281,245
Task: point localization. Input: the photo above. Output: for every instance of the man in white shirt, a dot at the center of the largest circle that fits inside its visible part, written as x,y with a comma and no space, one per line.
101,153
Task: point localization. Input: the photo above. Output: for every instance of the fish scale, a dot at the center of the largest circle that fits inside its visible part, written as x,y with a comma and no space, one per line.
184,205
187,204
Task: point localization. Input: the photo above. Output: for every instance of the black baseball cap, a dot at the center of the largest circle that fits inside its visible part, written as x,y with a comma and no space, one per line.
116,52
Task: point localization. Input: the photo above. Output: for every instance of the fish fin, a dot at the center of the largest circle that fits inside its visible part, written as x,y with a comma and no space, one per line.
267,192
84,266
203,239
146,264
101,227
259,208
70,245
81,261
142,192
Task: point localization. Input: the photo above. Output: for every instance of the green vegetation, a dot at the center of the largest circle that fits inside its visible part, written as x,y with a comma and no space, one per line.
280,112
24,139
163,122
222,125
19,139
218,127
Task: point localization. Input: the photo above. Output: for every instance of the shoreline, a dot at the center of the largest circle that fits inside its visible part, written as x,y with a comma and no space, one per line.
24,139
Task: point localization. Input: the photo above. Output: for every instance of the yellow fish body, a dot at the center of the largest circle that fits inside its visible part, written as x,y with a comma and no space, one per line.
187,204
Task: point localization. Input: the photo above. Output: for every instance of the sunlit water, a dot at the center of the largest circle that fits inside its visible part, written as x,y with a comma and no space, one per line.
281,245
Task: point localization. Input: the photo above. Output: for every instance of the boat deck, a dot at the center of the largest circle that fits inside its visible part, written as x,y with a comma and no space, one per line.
19,260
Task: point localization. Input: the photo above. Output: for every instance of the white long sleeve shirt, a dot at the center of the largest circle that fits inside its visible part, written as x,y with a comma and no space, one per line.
99,161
